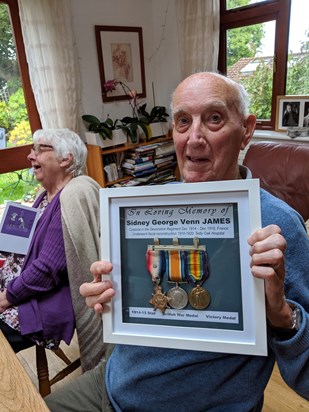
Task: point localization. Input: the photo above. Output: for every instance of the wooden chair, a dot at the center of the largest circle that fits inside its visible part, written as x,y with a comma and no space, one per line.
44,380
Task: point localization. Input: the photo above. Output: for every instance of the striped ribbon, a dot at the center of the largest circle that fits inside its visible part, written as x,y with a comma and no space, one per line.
195,265
174,263
155,261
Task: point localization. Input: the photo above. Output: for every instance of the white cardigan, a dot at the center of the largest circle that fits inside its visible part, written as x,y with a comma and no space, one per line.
80,210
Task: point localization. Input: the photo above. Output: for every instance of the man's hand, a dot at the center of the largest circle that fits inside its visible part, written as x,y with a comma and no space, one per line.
98,292
267,253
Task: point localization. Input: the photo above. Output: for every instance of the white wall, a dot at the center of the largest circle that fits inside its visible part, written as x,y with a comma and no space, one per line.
160,45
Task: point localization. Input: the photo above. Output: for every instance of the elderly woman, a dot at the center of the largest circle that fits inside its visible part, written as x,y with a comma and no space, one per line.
36,304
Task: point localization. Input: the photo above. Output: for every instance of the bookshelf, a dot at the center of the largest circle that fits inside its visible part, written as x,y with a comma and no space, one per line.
98,158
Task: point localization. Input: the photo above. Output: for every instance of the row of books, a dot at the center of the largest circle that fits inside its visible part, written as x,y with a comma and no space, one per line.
156,178
148,159
148,164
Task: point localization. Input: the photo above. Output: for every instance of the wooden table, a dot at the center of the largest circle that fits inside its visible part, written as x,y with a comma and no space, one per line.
17,392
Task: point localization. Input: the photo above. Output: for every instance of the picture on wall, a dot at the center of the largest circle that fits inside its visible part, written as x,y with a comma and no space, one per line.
121,59
292,112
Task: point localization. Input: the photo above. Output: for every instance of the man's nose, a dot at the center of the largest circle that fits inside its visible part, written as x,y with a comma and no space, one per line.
196,132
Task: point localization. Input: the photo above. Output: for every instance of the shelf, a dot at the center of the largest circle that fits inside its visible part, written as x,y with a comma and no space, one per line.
124,148
97,157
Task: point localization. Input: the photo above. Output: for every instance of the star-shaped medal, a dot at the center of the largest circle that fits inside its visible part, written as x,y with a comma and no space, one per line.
159,299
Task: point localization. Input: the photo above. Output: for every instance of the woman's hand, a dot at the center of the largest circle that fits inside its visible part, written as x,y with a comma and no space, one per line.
98,292
267,262
4,303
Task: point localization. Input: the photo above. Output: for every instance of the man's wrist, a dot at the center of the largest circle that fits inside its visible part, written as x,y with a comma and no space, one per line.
296,317
281,319
289,332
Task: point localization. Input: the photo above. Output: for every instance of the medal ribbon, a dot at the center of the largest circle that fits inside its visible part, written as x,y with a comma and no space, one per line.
174,263
155,262
195,266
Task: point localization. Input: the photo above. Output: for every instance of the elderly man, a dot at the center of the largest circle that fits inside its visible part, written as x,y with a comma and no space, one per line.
210,126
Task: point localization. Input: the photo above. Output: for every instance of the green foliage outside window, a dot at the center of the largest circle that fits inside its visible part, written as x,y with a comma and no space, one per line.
9,70
19,185
4,116
259,88
245,42
21,134
13,111
298,72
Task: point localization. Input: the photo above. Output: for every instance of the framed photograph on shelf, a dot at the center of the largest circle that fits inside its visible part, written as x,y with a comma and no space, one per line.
292,112
181,266
121,58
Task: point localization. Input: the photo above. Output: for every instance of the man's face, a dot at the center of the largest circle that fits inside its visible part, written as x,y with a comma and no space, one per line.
208,131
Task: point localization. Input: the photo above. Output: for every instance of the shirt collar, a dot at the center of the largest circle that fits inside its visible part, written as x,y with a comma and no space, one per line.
245,173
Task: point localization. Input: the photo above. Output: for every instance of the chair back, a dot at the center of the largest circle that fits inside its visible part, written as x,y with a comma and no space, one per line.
283,170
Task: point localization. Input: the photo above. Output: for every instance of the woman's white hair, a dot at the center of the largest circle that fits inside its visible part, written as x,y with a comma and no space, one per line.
65,142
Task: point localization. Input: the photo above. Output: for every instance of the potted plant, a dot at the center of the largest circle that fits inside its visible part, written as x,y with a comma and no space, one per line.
134,128
105,134
156,119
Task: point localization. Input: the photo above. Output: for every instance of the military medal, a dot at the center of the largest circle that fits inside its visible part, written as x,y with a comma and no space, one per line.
155,260
178,296
159,299
196,271
199,298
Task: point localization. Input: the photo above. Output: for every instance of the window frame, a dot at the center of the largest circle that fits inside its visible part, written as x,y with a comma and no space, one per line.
15,158
278,10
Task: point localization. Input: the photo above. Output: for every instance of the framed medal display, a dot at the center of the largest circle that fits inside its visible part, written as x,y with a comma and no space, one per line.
181,266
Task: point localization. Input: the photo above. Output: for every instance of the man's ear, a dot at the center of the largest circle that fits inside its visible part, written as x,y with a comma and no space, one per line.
249,126
67,161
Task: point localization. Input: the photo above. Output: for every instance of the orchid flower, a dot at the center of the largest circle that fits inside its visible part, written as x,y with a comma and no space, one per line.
110,86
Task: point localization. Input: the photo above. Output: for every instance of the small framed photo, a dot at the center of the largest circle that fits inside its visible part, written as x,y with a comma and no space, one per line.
181,266
17,227
292,111
121,58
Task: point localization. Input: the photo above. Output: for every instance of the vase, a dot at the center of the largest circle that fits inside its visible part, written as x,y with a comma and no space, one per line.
119,137
140,136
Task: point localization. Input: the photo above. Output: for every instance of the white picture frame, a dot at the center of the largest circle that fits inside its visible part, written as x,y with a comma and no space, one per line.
299,107
236,295
17,227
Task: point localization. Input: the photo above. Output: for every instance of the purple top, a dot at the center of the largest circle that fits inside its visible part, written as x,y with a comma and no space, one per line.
42,290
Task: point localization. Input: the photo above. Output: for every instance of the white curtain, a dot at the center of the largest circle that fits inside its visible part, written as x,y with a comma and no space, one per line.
50,50
198,23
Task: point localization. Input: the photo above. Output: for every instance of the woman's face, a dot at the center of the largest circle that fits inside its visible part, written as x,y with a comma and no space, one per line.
47,167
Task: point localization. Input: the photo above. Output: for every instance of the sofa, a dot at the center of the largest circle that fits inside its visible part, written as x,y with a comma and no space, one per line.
283,170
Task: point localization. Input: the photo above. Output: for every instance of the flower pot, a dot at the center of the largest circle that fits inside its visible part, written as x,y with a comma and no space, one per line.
119,137
140,136
157,129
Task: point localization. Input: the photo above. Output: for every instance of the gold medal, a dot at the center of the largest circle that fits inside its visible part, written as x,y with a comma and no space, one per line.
199,298
159,299
196,269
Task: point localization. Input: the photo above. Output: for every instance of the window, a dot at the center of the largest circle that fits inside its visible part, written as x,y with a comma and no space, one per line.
18,112
264,45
